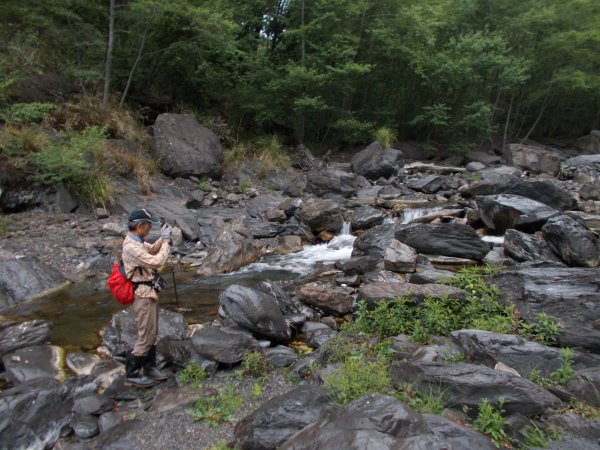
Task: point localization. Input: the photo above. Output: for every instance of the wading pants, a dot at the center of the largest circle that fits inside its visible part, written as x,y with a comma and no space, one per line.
146,318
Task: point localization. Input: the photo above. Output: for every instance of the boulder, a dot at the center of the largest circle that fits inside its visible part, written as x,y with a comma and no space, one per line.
121,333
173,398
569,295
280,356
186,148
289,244
255,311
582,167
36,361
400,257
94,404
374,162
544,191
108,420
590,191
485,347
359,265
446,239
469,384
487,158
365,217
320,215
285,302
386,291
527,247
15,336
374,421
576,244
81,363
26,278
429,184
317,334
536,159
457,437
590,143
585,385
85,426
474,166
330,180
504,211
486,187
233,248
501,174
218,345
272,423
576,425
374,242
337,301
179,353
33,414
428,276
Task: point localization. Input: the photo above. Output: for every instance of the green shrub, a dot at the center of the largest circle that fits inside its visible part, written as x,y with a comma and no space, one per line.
491,422
385,136
535,437
358,377
565,371
192,374
290,376
26,113
432,402
255,364
545,329
219,408
339,347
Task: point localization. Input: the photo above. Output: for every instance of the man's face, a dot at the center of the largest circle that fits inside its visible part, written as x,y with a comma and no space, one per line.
143,229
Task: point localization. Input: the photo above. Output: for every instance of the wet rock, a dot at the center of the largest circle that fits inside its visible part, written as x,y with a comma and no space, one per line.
107,371
285,302
289,244
444,239
386,291
365,217
467,384
535,158
182,352
569,295
372,421
501,212
317,334
33,414
400,257
544,191
485,347
81,385
330,180
526,247
186,148
255,311
94,404
375,242
576,245
280,356
169,399
457,436
121,334
359,265
233,248
277,419
429,184
26,278
320,215
36,361
81,363
85,426
374,162
15,336
217,345
585,385
108,420
336,300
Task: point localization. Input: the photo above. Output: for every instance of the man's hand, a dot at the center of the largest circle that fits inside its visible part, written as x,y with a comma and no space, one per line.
165,233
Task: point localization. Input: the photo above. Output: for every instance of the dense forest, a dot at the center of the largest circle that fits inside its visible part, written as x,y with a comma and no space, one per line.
450,73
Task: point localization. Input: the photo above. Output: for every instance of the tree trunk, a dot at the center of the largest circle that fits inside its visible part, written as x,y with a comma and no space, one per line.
109,53
505,138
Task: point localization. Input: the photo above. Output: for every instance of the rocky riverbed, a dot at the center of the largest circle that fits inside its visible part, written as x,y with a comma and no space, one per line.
545,210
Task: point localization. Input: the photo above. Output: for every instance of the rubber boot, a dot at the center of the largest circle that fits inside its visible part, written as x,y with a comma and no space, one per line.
150,369
133,374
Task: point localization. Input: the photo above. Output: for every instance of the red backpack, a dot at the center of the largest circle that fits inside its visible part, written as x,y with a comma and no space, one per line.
121,287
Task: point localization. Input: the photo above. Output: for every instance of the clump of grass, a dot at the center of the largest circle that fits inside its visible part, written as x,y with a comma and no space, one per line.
22,140
385,136
545,330
134,163
219,408
255,364
267,150
26,113
491,422
432,402
192,375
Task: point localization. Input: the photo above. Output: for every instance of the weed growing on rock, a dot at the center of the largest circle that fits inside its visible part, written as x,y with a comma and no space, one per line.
385,136
535,437
453,357
340,346
192,374
255,364
290,376
219,408
432,402
561,375
245,185
223,445
491,422
545,329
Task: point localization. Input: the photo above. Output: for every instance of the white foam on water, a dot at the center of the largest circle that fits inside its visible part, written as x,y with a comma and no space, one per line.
496,240
411,214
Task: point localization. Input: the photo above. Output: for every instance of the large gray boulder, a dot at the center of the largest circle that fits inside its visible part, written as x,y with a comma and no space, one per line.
374,162
458,437
365,217
374,421
527,247
222,346
400,257
585,385
535,158
26,278
320,215
544,191
469,384
331,180
504,211
255,311
374,242
485,347
277,419
186,148
385,291
576,244
445,239
590,143
569,295
14,336
331,300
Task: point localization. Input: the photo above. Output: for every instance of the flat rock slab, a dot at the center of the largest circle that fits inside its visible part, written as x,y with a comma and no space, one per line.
337,301
229,348
168,399
82,363
469,384
504,211
386,291
16,336
37,361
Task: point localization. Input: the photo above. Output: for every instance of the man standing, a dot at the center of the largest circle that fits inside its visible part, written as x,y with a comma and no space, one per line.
140,259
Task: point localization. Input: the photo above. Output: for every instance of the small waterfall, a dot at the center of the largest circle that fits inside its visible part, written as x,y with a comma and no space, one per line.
346,228
408,215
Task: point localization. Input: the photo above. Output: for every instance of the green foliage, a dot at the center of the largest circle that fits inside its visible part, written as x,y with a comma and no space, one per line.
491,422
204,183
245,185
290,376
257,389
385,136
432,402
535,437
545,329
219,408
192,374
560,376
255,364
26,113
355,378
